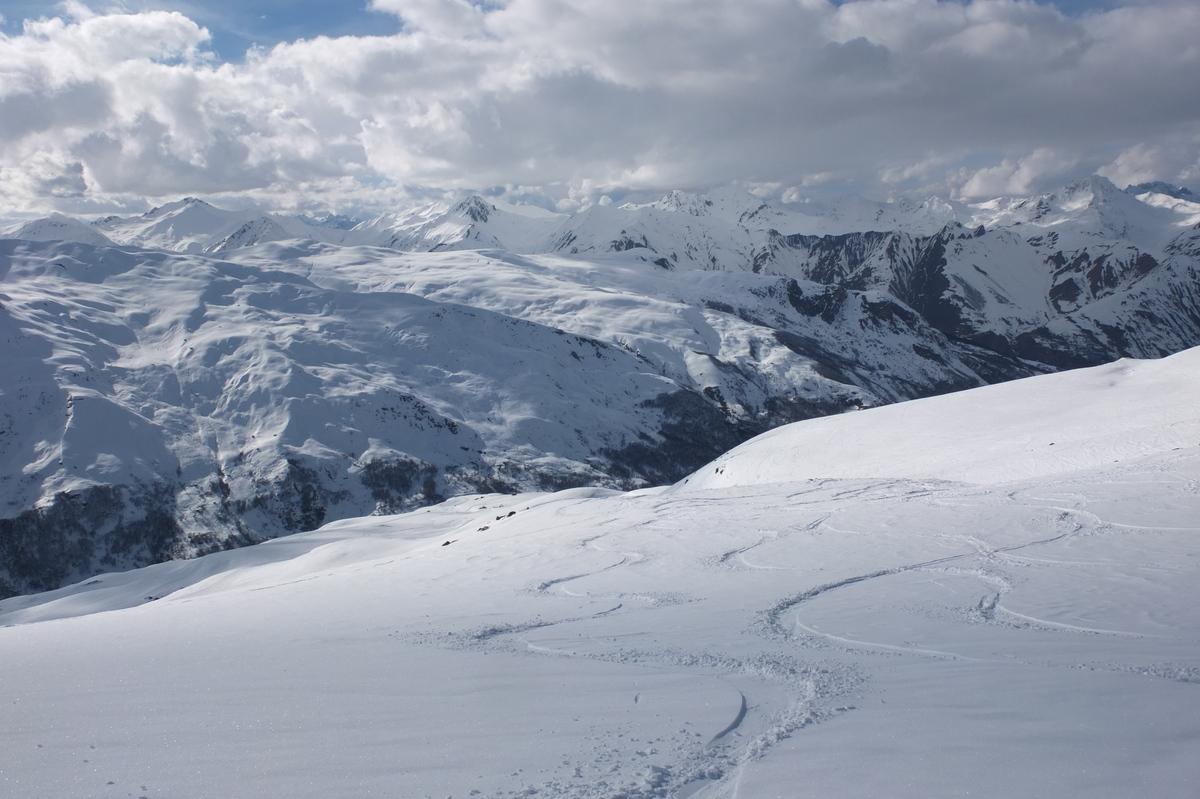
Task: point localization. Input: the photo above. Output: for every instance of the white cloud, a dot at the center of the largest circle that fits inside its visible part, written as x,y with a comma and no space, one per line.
1143,163
600,97
437,17
1019,177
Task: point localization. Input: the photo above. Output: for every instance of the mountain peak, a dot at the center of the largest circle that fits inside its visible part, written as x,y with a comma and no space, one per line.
175,207
683,202
1160,187
475,208
57,227
1100,187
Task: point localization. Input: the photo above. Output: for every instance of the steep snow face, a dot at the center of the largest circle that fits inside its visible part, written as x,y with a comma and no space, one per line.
1183,205
472,224
780,630
1083,213
188,225
746,338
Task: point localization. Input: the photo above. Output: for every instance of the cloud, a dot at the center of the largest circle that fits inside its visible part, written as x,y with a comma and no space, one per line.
439,17
1019,177
582,98
1142,163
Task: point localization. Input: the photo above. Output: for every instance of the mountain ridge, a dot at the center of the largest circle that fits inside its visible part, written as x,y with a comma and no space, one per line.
273,375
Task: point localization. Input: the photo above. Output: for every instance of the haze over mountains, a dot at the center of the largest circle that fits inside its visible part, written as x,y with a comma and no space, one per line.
193,379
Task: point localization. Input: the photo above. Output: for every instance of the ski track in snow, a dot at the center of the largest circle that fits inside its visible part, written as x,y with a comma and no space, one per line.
710,773
1080,521
704,768
775,616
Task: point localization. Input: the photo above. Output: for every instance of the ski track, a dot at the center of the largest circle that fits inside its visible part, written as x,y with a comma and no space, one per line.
780,693
690,767
708,768
726,559
1080,522
733,725
1069,627
712,768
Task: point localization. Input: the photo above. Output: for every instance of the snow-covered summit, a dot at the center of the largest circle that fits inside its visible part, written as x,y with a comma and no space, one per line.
55,227
1089,211
192,225
726,228
1160,187
681,202
474,223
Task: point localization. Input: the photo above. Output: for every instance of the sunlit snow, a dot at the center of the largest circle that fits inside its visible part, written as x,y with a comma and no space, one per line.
986,594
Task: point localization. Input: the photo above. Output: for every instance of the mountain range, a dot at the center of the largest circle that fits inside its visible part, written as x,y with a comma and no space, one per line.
194,379
989,593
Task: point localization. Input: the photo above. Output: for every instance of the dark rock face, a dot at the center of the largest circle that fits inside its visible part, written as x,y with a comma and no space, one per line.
399,485
825,305
104,528
920,282
475,208
1105,301
692,433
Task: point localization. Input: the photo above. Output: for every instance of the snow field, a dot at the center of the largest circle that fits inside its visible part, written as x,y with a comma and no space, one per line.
895,632
996,433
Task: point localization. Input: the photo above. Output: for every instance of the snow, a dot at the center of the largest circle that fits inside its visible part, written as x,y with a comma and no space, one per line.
182,370
727,223
55,227
223,368
990,594
1010,431
1081,213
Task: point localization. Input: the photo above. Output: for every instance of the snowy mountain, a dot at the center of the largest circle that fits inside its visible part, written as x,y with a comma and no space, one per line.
193,226
471,224
1166,189
195,379
990,593
56,228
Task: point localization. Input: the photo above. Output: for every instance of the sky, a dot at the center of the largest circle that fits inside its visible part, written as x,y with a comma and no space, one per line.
359,106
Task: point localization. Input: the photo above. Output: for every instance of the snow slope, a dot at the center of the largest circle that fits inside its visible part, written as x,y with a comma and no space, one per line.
55,228
191,225
161,404
1023,430
859,606
194,378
